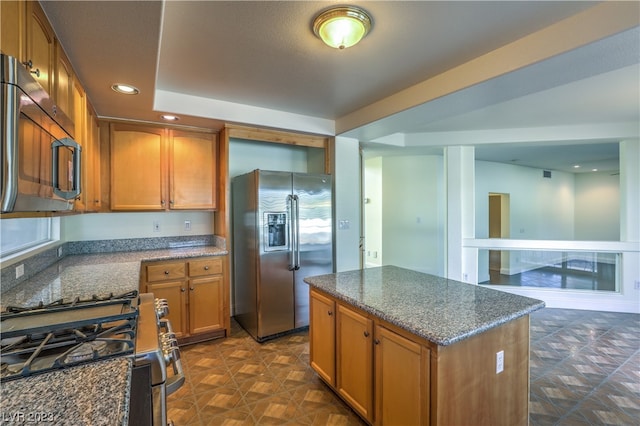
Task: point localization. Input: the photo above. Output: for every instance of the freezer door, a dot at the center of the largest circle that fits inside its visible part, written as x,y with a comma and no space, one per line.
275,280
315,236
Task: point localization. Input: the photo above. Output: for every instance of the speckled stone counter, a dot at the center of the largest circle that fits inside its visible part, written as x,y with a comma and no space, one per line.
93,394
437,309
94,274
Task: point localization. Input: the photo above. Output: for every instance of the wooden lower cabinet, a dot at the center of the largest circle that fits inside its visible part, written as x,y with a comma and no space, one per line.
402,377
195,291
322,343
354,333
390,376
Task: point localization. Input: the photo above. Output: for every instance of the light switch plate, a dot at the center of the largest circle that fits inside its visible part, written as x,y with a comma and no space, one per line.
499,362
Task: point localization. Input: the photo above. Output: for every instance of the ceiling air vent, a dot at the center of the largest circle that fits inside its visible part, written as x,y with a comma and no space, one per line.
546,174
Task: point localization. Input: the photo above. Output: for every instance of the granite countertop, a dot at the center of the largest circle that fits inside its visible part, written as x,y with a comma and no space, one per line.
440,310
91,394
86,275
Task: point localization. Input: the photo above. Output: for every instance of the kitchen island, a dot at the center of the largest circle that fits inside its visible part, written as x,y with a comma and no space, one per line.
404,347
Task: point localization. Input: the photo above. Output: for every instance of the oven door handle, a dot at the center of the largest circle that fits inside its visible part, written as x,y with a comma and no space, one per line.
174,382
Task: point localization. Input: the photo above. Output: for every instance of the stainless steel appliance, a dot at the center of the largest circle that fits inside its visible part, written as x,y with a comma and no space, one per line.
283,232
43,338
40,160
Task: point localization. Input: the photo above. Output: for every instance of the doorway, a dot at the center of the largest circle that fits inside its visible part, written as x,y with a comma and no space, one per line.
498,228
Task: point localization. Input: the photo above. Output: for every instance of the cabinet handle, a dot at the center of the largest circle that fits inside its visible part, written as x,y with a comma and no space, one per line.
329,313
182,289
366,334
191,288
28,64
376,341
166,272
206,268
36,72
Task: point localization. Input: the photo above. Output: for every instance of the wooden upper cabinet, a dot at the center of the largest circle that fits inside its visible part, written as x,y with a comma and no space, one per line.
192,171
158,169
40,41
137,173
64,87
12,28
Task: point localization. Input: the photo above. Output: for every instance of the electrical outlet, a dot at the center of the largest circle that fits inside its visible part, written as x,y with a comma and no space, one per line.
20,270
499,362
156,226
187,225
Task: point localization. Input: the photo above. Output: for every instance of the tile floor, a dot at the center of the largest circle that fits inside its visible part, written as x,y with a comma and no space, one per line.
585,370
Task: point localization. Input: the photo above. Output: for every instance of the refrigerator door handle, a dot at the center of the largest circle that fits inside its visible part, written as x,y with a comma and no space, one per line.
296,224
292,232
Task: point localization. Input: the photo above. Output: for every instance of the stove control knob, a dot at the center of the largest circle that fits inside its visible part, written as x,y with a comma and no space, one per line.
162,308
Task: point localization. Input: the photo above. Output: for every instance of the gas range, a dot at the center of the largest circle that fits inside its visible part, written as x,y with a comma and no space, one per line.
63,334
42,338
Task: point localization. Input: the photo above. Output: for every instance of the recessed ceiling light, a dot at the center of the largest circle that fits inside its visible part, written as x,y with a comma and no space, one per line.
576,166
169,117
594,170
125,89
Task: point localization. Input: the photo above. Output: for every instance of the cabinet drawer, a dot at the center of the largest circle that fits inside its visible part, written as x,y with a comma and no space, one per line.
210,266
166,271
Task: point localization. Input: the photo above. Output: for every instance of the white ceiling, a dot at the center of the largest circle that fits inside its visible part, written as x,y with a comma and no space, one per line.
247,61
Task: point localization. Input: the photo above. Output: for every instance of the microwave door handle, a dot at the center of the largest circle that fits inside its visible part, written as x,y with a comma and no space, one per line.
55,147
292,237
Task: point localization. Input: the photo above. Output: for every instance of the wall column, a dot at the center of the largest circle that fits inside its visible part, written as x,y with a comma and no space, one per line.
347,203
629,214
461,263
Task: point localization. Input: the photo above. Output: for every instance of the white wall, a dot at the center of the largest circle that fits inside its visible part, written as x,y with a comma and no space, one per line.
246,156
413,213
372,187
597,206
113,226
541,208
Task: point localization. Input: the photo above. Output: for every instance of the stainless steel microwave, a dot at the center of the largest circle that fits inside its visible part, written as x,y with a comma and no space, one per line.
40,159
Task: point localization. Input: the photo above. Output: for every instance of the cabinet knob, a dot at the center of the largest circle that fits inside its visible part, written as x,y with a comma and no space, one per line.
36,72
170,201
166,272
206,268
28,64
182,289
191,288
162,202
376,341
366,334
329,313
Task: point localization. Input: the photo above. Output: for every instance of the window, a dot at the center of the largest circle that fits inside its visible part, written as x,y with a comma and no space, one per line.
20,235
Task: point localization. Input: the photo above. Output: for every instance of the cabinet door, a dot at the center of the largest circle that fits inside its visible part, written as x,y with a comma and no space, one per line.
137,172
93,168
401,380
192,170
355,360
40,39
175,293
322,338
64,90
12,28
205,304
80,135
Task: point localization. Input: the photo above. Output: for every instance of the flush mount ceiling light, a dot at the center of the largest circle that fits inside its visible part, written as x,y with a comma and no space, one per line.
343,26
125,89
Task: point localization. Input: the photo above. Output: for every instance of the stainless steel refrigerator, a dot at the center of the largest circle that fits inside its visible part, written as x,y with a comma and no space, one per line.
282,233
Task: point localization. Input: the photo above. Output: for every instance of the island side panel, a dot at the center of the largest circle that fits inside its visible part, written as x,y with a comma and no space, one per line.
465,386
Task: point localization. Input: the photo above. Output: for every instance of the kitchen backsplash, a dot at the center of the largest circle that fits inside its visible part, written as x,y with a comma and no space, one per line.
37,263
